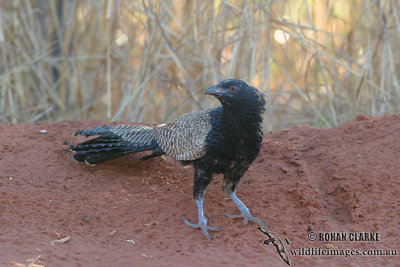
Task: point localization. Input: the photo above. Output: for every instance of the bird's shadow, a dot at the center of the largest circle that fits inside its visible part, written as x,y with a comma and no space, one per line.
159,170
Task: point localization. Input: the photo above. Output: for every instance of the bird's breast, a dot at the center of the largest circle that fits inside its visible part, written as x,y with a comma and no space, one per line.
228,154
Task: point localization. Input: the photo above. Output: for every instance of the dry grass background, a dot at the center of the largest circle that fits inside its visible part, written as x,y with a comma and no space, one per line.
320,62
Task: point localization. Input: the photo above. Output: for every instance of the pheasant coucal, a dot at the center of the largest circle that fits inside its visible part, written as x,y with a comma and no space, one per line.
225,139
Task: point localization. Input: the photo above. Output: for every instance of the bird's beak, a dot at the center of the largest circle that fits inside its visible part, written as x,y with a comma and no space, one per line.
214,90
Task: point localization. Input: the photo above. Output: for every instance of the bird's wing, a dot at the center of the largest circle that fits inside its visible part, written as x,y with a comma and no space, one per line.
185,138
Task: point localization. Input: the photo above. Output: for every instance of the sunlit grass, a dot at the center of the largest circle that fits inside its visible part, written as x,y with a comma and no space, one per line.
320,62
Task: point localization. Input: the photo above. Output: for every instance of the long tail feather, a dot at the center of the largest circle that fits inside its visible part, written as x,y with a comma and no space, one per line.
113,142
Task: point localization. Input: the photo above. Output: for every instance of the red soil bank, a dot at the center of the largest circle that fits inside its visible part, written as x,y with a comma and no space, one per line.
344,179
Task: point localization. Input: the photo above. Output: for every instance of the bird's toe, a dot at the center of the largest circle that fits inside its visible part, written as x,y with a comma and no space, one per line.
246,217
202,224
232,216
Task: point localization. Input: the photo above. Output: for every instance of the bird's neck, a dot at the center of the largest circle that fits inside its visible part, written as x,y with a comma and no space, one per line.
244,132
242,120
243,125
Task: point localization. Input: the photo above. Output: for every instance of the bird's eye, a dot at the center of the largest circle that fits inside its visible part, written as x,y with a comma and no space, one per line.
232,88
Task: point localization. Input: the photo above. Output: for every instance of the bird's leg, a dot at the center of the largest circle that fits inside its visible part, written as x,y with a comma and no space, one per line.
245,213
202,224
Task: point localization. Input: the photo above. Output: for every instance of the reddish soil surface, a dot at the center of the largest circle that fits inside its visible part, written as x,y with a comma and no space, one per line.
344,179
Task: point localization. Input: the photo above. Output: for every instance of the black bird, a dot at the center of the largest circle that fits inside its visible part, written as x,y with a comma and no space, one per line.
225,139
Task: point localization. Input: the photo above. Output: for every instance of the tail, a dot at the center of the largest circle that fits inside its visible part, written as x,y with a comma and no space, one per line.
113,142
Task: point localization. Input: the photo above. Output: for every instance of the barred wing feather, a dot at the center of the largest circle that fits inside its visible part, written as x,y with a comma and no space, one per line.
185,138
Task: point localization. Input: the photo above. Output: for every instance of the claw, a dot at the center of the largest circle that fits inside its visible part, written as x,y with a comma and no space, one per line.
245,213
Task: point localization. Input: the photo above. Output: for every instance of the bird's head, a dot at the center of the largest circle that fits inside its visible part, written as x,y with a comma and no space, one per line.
237,94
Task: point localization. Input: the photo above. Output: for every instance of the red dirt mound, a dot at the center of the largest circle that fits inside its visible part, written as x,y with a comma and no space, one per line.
126,212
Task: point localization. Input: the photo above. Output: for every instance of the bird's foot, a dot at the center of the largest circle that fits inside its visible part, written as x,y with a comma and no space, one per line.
247,217
244,212
202,224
